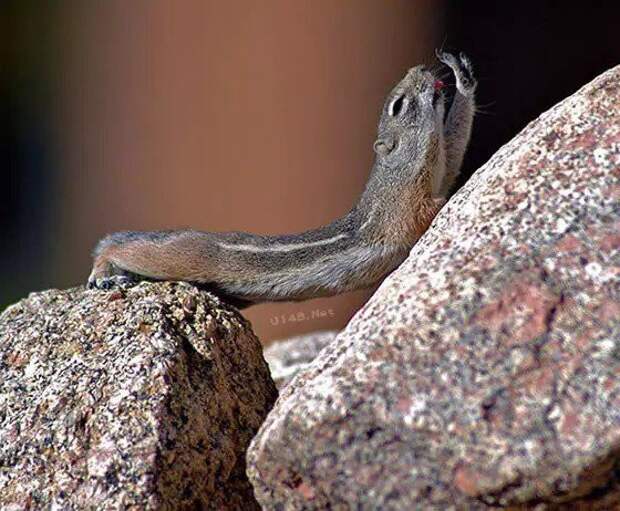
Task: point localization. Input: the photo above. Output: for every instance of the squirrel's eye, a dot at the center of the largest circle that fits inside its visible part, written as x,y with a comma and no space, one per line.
397,106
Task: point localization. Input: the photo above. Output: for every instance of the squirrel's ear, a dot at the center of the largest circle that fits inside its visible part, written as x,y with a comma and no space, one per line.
384,145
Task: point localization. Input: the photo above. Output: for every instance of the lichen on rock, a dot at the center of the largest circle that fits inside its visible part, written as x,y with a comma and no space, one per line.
139,398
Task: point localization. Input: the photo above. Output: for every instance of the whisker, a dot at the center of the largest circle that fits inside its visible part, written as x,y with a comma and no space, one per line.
482,109
443,43
490,103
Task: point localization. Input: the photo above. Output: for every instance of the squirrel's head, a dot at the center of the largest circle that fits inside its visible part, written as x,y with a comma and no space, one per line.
412,116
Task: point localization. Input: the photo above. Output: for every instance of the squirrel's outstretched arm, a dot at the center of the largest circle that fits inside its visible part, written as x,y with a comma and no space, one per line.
353,252
460,118
246,268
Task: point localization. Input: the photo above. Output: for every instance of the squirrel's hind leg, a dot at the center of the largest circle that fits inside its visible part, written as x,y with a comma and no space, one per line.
124,258
105,274
166,255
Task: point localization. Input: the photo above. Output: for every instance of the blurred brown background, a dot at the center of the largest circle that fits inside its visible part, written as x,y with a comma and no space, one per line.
240,115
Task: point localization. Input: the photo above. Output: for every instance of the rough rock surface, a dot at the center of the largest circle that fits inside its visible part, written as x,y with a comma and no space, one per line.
485,371
287,358
143,398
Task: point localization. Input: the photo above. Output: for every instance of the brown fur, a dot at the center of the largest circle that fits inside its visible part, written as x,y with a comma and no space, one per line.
413,145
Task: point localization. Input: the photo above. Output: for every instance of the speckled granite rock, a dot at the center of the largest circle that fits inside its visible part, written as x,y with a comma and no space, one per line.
485,371
286,358
138,399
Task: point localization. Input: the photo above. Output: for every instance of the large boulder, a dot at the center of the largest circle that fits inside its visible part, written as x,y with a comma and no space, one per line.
145,398
484,371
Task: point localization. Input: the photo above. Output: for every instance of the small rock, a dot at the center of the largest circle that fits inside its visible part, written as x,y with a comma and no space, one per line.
122,400
286,358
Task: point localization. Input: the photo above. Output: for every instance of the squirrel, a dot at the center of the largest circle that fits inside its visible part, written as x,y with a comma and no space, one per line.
418,154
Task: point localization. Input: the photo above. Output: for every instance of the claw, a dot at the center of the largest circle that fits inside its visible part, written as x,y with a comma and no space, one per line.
445,57
106,284
462,69
111,282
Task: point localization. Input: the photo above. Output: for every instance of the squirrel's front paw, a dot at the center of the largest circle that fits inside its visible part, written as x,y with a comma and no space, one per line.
106,276
462,69
111,282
